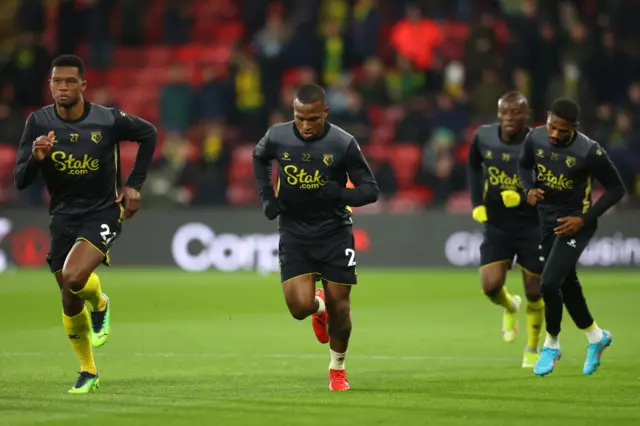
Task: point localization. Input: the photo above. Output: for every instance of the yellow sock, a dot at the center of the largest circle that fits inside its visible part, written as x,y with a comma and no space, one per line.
504,299
535,318
78,328
92,293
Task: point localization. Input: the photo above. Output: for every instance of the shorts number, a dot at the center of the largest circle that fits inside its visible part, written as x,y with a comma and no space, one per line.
106,234
352,256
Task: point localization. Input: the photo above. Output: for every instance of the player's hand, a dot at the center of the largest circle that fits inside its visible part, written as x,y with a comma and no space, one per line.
131,199
511,198
271,207
534,195
570,226
480,214
42,146
331,191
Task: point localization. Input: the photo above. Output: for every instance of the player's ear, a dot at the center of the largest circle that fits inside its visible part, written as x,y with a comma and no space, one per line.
83,85
326,111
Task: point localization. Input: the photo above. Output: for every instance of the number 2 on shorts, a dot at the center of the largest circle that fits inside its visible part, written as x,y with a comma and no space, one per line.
105,233
352,256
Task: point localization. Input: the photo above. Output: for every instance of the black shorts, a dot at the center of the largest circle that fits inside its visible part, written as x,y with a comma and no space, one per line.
100,229
502,246
331,258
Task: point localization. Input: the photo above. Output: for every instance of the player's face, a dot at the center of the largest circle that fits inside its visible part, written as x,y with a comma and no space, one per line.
309,118
66,86
512,116
560,131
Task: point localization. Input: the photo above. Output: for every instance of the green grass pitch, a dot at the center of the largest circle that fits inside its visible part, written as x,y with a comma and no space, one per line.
216,349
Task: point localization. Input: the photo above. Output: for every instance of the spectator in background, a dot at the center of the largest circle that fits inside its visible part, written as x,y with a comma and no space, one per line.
414,126
632,103
177,101
481,50
31,16
270,43
28,71
403,81
213,95
385,176
211,183
176,21
249,97
11,124
373,85
132,23
623,146
571,83
365,27
608,70
439,168
70,26
354,118
484,96
416,37
450,114
169,174
99,33
333,52
547,63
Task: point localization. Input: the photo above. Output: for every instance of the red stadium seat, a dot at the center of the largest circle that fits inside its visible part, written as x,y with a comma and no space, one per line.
460,202
405,159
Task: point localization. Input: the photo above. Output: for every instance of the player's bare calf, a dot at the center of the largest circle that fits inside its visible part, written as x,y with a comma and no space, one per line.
337,299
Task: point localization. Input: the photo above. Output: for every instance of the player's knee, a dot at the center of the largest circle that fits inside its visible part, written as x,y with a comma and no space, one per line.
74,279
339,310
492,282
532,290
492,286
301,309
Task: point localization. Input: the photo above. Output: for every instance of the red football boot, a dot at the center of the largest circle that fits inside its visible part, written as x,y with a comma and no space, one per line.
338,380
319,321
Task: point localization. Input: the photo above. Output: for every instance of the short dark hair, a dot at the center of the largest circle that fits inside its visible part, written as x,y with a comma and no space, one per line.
515,96
310,93
566,109
71,61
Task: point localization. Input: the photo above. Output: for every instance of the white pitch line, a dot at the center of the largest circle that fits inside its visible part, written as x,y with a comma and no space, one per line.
205,355
270,356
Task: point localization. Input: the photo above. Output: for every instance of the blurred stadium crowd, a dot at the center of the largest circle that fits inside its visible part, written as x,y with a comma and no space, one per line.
411,80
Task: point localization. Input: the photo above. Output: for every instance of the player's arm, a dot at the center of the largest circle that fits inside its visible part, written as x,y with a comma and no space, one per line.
526,163
474,171
263,154
27,166
135,129
366,189
607,174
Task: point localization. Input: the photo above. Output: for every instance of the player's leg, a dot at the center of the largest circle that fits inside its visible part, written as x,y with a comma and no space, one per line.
339,310
560,256
576,305
529,261
535,318
74,316
496,255
298,277
337,260
100,231
78,267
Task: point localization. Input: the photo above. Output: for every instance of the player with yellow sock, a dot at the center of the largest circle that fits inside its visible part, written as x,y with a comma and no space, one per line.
511,225
79,160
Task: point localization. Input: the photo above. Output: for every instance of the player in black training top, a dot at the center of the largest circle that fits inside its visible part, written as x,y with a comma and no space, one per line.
74,144
557,168
316,240
511,225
